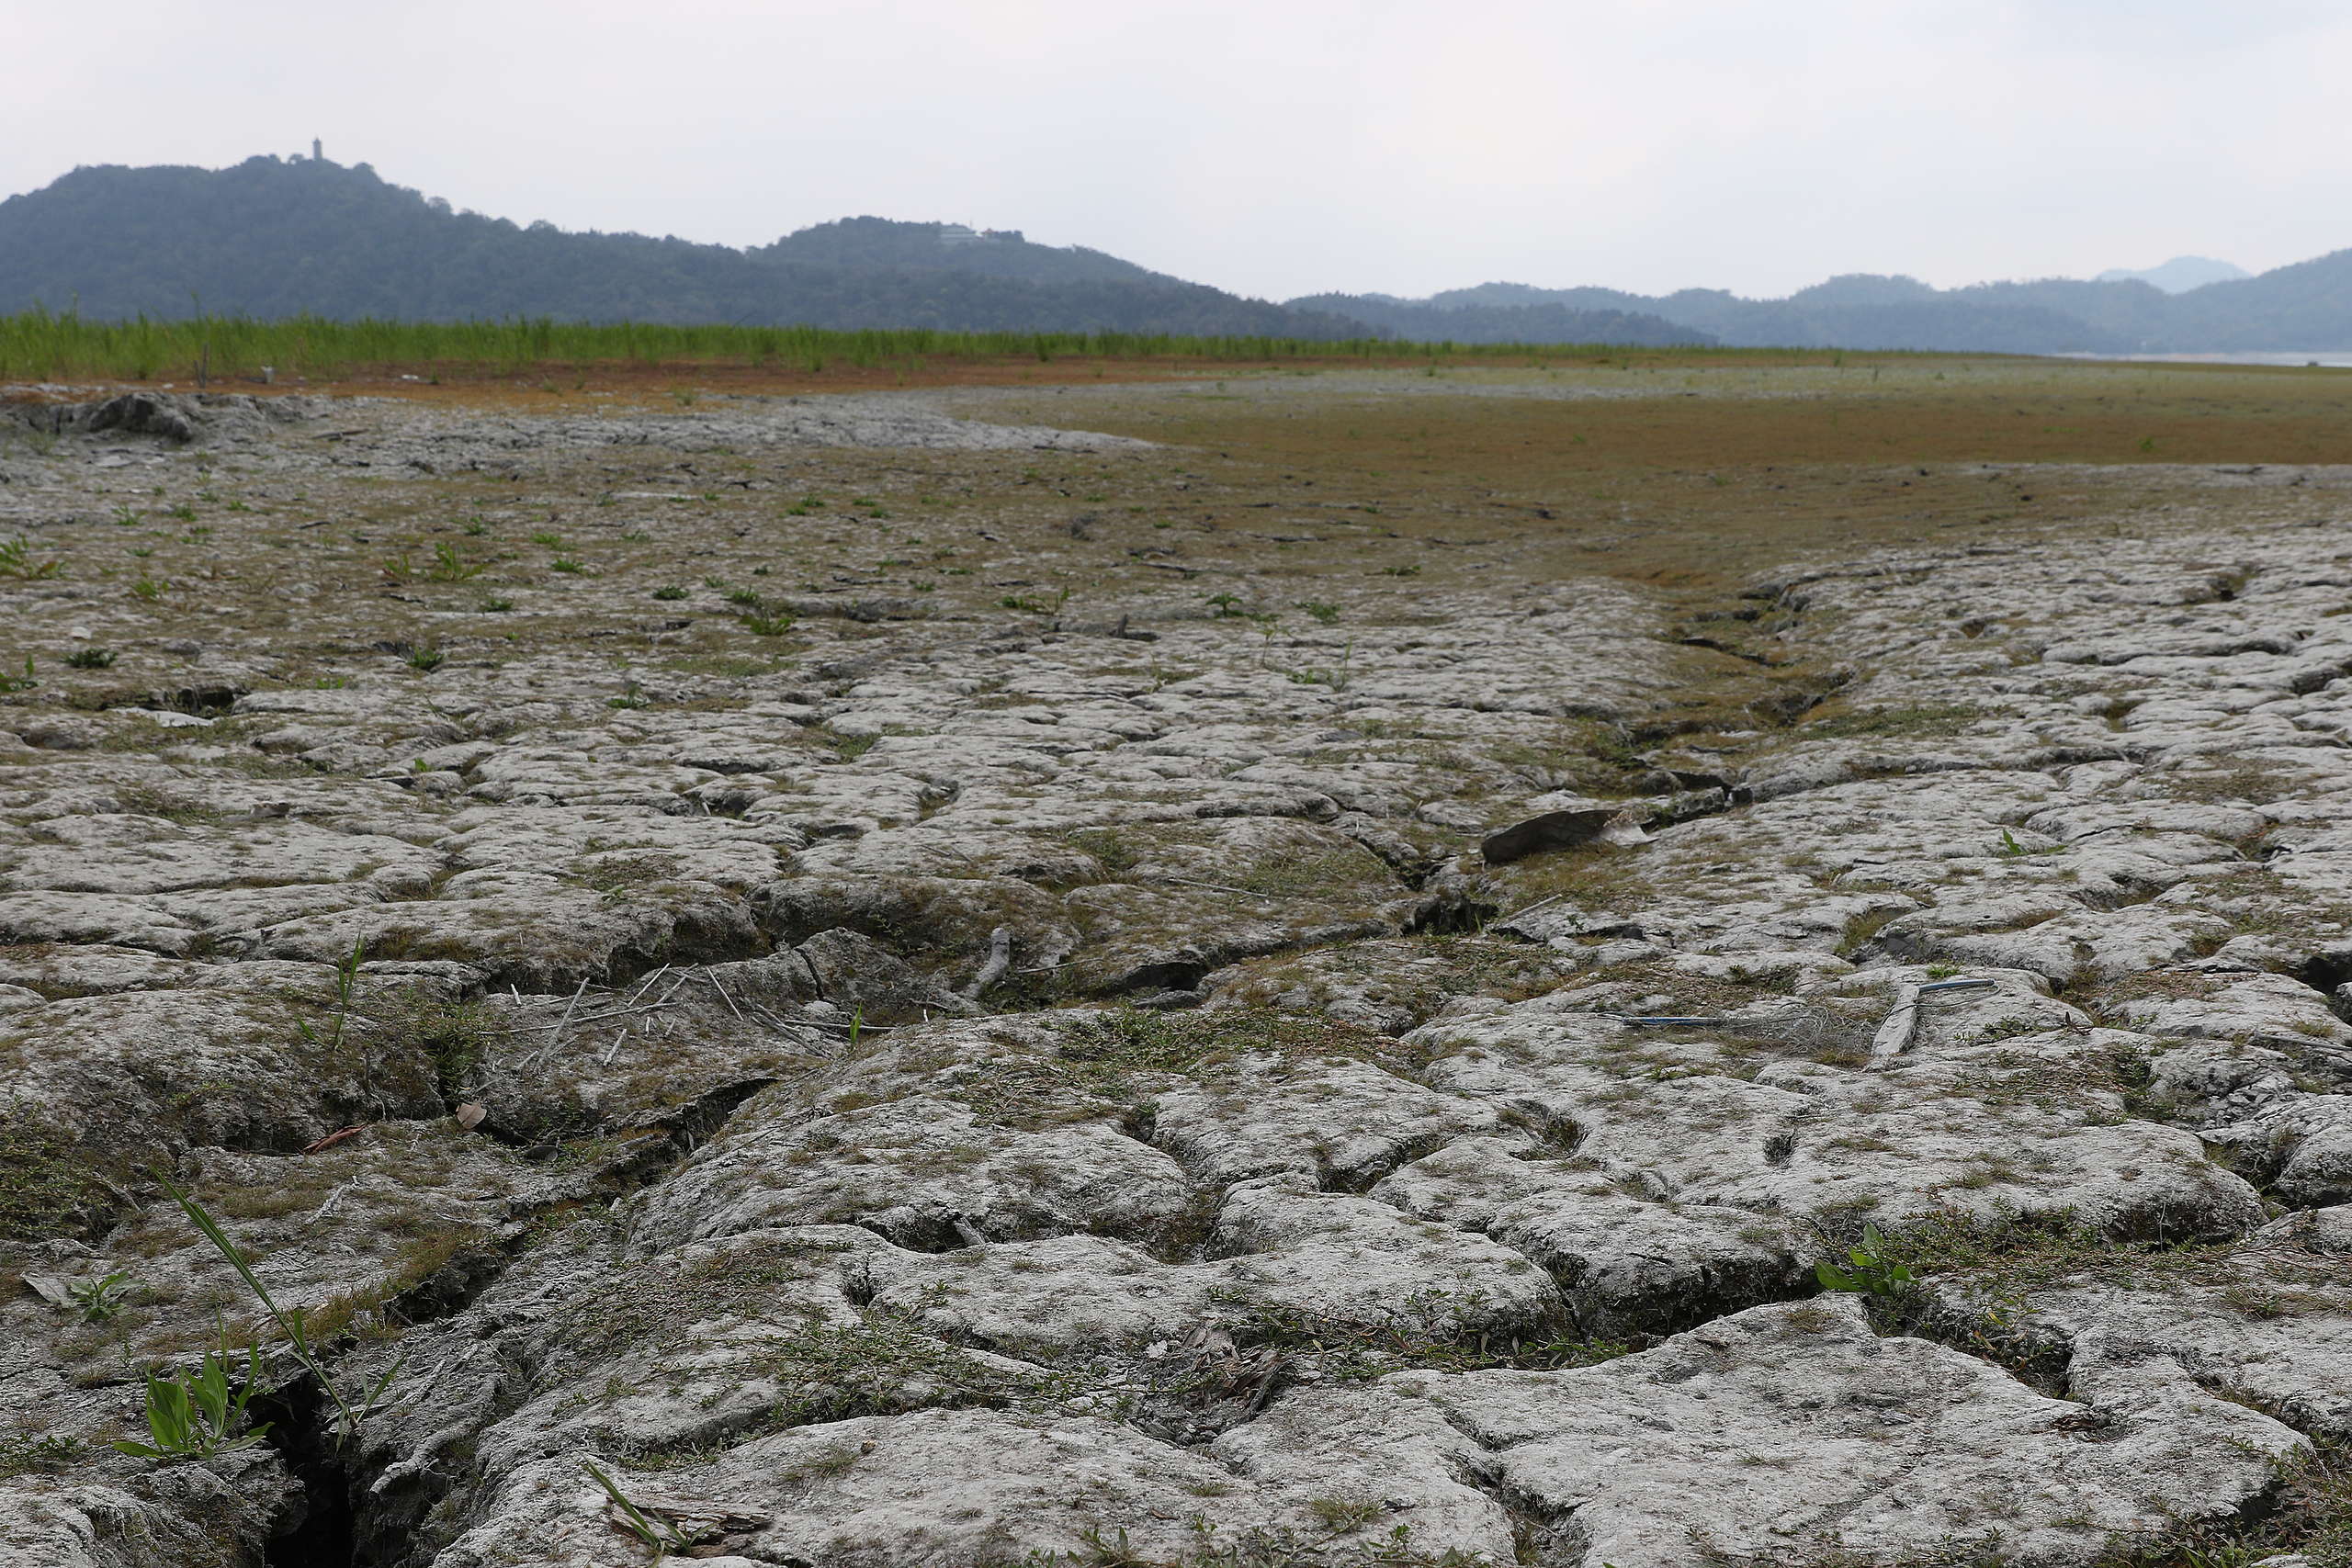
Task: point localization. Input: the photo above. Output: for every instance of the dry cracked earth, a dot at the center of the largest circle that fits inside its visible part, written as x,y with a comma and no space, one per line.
915,985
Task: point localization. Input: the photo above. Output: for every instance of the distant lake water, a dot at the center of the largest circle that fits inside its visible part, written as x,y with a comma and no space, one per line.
2331,358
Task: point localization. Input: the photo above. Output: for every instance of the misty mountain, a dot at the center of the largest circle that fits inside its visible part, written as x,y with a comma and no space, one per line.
881,243
2306,306
273,237
1861,289
1536,323
2177,276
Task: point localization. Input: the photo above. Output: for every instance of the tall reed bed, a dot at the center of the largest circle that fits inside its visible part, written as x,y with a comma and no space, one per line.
39,346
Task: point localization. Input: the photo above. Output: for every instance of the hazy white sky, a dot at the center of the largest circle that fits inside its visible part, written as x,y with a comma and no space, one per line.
1278,147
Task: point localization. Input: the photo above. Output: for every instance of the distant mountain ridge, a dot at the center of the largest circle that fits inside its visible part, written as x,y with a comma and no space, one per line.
277,237
2305,305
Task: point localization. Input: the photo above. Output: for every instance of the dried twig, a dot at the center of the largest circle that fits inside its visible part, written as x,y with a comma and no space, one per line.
723,996
575,1007
647,985
1531,909
1214,886
323,1210
999,959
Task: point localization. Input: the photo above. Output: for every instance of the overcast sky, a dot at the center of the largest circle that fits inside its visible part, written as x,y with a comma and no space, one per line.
1279,147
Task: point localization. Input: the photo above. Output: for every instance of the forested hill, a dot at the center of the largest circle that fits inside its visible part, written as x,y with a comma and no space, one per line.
276,237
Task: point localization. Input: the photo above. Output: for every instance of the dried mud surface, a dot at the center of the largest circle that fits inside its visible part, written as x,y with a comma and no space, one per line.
1291,971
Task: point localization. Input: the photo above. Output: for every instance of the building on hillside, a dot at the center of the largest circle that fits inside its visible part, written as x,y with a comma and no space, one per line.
954,234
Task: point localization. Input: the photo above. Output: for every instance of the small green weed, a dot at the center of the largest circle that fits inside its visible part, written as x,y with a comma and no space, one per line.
449,564
346,986
16,560
99,1299
193,1417
1867,1270
662,1537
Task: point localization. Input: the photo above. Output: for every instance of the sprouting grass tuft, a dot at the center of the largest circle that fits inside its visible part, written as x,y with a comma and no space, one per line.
16,560
449,564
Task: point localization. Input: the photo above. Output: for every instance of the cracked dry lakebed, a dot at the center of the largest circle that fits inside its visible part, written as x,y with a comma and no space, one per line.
1729,963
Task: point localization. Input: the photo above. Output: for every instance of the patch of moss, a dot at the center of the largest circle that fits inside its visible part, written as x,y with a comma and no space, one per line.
1593,877
881,1365
2171,985
1115,851
142,798
361,1311
616,876
654,1304
455,1036
2003,1260
1108,1048
1913,722
39,1454
1427,1330
2310,1513
1300,874
2238,784
2076,1082
47,1187
1106,1065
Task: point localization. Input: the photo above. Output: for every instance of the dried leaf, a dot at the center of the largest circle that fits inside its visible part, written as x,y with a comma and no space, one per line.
50,1288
